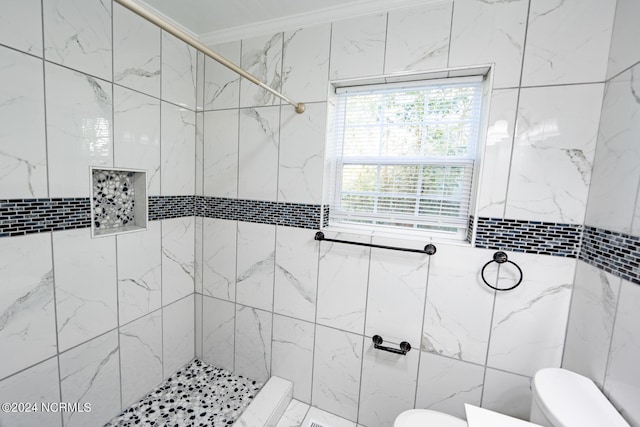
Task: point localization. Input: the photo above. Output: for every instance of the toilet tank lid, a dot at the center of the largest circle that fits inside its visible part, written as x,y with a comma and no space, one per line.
569,399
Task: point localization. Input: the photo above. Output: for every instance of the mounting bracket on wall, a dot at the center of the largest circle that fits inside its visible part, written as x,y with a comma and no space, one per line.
501,258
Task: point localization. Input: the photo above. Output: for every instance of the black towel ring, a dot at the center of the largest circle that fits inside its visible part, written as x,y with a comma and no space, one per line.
501,257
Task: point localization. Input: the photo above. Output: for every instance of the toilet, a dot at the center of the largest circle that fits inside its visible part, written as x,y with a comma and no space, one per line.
561,398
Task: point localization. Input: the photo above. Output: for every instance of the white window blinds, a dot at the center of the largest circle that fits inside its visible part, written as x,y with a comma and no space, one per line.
404,155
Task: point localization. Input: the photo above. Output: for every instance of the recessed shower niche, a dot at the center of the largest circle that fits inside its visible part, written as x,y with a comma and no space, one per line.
118,201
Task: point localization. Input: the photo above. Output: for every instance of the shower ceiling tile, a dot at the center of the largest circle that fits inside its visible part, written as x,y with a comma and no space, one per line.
179,65
178,248
177,150
262,57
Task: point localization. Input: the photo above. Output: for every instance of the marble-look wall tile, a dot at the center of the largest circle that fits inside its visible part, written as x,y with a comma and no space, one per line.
179,66
23,157
198,260
140,357
255,265
418,38
446,384
27,312
21,25
177,258
459,306
507,393
220,168
38,384
77,34
388,385
336,371
568,41
221,85
258,153
622,382
294,414
253,343
199,153
178,150
296,273
219,259
593,308
139,272
529,322
90,373
490,32
200,60
623,51
218,332
79,129
324,418
136,134
178,335
136,52
357,47
306,63
292,354
555,143
85,283
302,141
616,169
198,326
342,283
262,57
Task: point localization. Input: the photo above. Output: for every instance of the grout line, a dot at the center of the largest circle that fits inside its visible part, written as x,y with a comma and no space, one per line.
424,315
386,41
486,358
453,5
366,304
315,320
613,329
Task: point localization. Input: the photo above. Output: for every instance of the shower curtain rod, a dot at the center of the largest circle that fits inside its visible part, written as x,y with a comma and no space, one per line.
299,106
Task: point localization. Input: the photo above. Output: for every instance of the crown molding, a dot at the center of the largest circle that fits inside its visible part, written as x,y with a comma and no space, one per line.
293,22
165,17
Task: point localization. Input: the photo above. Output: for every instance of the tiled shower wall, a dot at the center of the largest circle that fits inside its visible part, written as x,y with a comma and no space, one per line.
272,301
99,321
603,339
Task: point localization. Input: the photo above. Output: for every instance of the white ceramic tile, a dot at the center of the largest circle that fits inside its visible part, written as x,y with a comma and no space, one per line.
21,25
36,385
77,34
200,60
445,384
253,343
198,326
221,85
178,72
388,385
294,414
302,140
357,47
262,57
177,258
219,259
178,150
85,283
198,261
342,283
79,129
555,143
593,308
139,272
318,416
296,273
496,159
306,63
418,38
568,41
136,134
221,153
218,329
269,404
255,265
529,322
616,170
623,51
336,371
140,357
136,52
258,153
90,374
622,383
397,288
27,313
490,32
507,393
292,354
199,152
457,320
178,335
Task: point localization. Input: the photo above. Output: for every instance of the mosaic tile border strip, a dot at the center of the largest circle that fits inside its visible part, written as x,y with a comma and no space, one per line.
613,252
27,216
166,207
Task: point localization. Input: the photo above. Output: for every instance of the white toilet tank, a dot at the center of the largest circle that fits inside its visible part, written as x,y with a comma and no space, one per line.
563,398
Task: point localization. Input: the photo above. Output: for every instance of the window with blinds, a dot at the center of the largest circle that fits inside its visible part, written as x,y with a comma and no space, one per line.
404,155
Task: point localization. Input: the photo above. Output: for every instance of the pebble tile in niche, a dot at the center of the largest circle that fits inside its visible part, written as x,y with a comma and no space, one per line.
113,198
197,395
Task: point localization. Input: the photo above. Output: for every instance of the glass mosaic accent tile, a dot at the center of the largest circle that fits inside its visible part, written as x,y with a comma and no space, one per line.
113,198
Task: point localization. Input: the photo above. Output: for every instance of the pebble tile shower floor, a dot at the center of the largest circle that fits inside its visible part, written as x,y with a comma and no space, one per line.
197,395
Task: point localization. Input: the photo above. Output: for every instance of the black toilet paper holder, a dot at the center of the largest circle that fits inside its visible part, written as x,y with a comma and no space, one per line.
405,347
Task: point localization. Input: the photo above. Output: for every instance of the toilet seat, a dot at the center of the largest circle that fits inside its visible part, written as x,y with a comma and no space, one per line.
427,418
